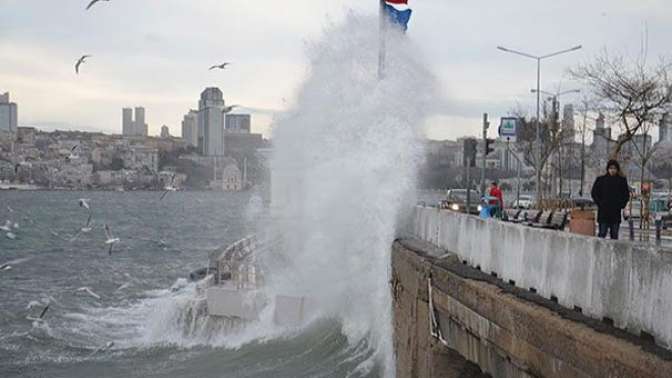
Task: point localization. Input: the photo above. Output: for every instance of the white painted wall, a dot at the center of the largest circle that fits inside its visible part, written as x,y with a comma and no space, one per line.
628,283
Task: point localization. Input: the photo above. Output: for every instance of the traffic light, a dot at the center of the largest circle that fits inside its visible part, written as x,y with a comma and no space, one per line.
489,146
469,157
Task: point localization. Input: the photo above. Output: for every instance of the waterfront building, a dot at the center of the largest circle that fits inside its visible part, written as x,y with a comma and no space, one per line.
232,178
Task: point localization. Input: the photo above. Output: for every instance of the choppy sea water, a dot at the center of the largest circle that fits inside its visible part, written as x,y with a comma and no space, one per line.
143,293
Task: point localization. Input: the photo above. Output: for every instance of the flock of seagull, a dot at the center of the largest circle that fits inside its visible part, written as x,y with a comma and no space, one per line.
10,228
83,58
37,310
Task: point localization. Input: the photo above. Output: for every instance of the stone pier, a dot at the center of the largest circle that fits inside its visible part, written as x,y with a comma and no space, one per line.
457,313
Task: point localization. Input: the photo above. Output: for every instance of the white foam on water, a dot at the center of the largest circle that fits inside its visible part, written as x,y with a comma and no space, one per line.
344,164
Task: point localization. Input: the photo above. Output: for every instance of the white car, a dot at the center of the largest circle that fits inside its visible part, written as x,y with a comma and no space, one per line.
525,202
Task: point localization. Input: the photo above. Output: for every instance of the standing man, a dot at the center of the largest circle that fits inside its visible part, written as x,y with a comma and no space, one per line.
611,193
497,201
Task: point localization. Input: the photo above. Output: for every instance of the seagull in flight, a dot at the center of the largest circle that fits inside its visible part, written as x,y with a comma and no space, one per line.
105,348
44,311
88,227
83,202
80,61
88,291
73,155
7,227
220,66
111,241
169,188
229,109
9,265
92,3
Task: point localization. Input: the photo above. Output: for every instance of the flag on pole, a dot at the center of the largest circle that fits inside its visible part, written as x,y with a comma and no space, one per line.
398,12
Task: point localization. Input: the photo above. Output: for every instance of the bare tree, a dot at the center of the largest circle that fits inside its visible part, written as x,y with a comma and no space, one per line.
551,137
631,92
586,112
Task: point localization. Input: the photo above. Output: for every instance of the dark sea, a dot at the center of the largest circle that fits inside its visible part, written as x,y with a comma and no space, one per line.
140,326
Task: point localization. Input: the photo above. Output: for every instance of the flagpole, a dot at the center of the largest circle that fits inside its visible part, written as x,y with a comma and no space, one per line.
381,43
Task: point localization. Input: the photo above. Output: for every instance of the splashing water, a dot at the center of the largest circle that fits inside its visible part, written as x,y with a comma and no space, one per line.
344,163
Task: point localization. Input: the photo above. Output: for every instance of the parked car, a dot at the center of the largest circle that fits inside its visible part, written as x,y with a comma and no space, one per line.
525,202
456,200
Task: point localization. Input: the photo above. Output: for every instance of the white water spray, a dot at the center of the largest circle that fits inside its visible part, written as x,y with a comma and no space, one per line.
344,164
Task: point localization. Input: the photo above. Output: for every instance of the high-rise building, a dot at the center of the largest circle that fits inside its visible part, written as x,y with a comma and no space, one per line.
211,122
190,128
165,132
140,125
8,114
131,127
238,123
568,125
664,128
601,138
127,121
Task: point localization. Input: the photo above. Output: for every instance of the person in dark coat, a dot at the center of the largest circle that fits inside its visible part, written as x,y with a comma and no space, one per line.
611,193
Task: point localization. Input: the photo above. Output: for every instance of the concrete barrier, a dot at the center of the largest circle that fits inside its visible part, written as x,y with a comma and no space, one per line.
627,283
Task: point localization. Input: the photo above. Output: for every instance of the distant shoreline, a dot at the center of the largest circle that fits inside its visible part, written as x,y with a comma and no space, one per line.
28,188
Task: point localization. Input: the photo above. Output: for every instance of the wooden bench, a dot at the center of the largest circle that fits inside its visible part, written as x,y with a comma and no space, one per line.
512,214
542,220
558,220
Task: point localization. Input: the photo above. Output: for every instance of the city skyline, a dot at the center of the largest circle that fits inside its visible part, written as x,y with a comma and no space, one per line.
164,68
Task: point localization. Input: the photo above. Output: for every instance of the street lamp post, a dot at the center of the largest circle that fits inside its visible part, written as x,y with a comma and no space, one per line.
538,139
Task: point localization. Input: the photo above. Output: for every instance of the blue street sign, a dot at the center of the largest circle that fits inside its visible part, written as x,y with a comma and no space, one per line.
508,127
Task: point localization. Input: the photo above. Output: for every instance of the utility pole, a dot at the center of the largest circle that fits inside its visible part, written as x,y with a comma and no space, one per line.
486,126
538,139
583,148
469,160
558,127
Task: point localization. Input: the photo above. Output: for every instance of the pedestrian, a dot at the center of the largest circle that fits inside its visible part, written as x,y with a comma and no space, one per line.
497,202
611,194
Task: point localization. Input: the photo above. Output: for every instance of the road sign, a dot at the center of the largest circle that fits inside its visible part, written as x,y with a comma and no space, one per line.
508,128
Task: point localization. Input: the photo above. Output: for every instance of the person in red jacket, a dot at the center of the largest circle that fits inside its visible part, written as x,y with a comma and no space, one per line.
497,203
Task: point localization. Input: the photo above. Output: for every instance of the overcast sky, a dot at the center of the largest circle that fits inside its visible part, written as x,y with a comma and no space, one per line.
155,53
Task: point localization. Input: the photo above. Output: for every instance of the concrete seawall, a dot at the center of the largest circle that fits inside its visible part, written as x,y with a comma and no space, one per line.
616,282
452,320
